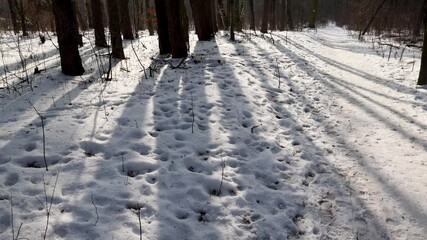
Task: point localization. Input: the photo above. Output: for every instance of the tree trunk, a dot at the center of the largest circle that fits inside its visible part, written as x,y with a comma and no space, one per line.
273,25
65,21
22,17
12,10
313,14
214,19
265,16
224,17
162,27
149,17
136,22
126,25
176,28
251,15
232,22
89,13
422,79
98,23
372,18
289,20
114,24
81,20
202,15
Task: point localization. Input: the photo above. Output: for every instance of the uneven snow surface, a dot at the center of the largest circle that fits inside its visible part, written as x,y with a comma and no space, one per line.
216,148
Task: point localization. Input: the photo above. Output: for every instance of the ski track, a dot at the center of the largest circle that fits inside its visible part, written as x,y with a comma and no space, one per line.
337,152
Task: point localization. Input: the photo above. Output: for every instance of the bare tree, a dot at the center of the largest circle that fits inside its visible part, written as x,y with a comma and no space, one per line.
251,15
265,16
12,10
313,14
178,33
422,79
162,27
149,17
224,18
125,23
66,28
202,15
22,17
114,25
98,23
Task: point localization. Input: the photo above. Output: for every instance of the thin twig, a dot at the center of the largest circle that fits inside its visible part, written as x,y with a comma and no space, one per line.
44,137
139,60
96,211
51,202
11,215
278,71
140,225
222,176
192,113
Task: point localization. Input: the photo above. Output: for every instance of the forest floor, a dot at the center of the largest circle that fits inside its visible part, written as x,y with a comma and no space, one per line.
298,135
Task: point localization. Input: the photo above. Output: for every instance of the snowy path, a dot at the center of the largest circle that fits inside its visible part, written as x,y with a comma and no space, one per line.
376,126
216,150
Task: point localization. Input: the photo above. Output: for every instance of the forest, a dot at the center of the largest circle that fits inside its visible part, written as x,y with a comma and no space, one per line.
213,119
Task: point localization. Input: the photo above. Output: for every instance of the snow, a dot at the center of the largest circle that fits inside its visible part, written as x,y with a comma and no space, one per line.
337,152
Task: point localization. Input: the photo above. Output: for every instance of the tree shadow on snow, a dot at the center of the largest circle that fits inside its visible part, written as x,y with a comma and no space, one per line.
331,83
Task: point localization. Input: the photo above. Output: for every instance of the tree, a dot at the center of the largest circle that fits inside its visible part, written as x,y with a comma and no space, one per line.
202,15
162,27
98,23
89,13
422,79
223,14
313,14
66,27
265,16
178,34
81,20
251,15
232,20
12,10
114,25
149,17
22,17
273,23
288,15
125,23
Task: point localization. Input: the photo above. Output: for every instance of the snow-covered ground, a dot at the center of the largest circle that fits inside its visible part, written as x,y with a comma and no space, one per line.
215,149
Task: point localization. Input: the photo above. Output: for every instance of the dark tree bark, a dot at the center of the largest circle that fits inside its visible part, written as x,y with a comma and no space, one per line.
114,25
98,23
162,27
202,15
372,18
232,21
89,13
273,25
214,18
22,17
136,21
289,20
12,10
125,23
422,79
177,28
224,18
251,15
65,21
265,16
313,14
149,17
81,20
